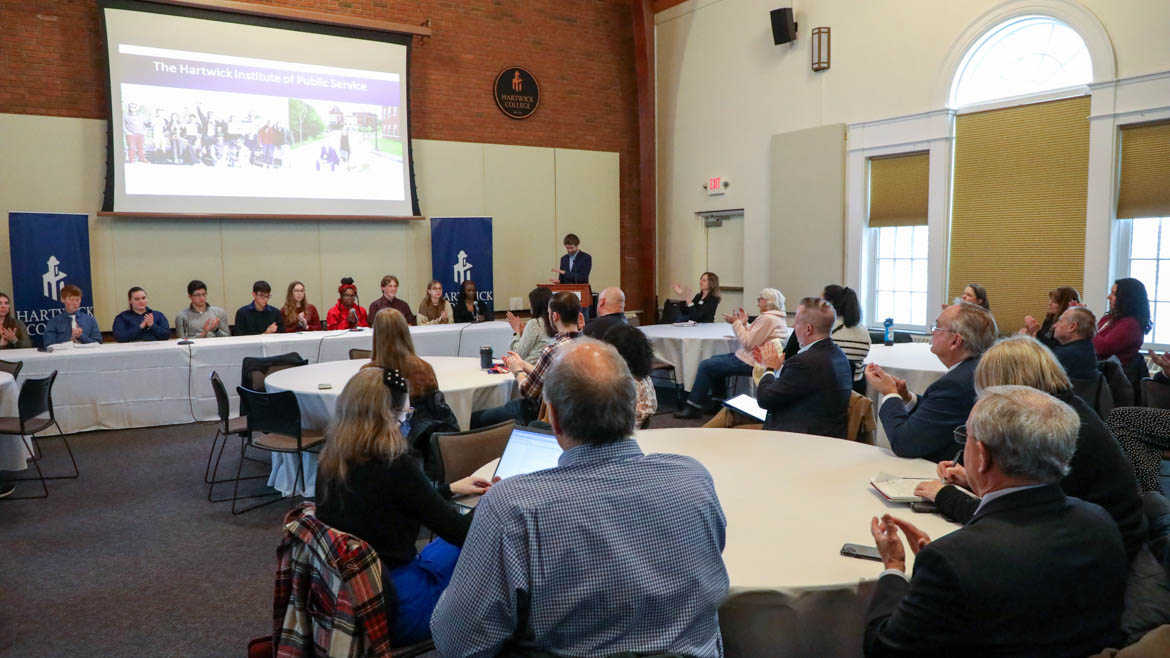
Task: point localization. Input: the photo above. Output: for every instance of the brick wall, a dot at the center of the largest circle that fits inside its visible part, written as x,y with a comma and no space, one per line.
581,51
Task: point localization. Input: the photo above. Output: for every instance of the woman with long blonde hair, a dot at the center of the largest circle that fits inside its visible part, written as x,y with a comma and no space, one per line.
372,486
394,350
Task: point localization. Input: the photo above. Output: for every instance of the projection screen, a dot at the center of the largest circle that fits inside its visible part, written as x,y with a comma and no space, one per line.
220,114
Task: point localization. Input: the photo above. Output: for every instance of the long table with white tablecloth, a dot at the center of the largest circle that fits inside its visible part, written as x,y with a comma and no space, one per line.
123,385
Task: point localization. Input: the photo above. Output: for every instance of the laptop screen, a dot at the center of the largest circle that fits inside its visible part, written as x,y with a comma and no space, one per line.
528,451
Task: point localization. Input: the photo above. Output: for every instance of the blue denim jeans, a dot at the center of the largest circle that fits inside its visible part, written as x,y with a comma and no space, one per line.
712,377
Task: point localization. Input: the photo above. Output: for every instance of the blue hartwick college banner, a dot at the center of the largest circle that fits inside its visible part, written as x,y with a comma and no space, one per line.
49,251
461,249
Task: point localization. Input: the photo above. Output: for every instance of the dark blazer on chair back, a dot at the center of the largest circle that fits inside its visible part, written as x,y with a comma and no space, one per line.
1034,573
927,431
811,393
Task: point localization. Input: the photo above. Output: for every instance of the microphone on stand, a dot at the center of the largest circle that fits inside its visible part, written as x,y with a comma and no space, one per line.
353,320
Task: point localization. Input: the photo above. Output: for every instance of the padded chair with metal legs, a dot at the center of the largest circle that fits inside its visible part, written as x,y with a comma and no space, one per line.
11,367
459,454
255,369
356,354
36,400
226,427
274,425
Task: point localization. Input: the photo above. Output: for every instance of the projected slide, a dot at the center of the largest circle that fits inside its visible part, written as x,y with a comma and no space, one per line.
218,117
200,124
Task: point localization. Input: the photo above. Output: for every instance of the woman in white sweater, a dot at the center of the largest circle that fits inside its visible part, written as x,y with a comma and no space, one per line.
529,339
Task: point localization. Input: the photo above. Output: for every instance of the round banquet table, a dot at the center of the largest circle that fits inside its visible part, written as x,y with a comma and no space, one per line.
791,501
910,361
465,386
686,347
13,451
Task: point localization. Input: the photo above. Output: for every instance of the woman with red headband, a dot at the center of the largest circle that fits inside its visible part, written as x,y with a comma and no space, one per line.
347,313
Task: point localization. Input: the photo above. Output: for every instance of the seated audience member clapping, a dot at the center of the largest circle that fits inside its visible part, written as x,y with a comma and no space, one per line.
590,558
530,338
1074,332
13,333
347,313
1059,301
374,488
468,308
1098,471
705,302
139,322
1034,573
389,299
848,332
564,312
922,425
72,325
809,392
973,293
298,314
434,308
200,319
631,343
611,311
713,371
259,317
1122,330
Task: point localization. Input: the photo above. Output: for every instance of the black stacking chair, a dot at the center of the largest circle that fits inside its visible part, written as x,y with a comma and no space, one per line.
274,425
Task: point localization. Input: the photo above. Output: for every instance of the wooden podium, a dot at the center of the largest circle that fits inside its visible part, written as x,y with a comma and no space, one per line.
582,290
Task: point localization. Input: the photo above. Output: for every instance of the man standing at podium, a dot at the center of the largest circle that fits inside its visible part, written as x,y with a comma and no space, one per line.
575,264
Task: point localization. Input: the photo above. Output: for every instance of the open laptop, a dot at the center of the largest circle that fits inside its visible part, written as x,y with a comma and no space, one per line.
528,450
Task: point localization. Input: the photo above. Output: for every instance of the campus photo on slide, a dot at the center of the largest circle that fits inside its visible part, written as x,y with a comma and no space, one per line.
195,124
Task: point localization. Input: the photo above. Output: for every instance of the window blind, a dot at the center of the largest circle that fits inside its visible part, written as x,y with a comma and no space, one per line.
1018,206
899,189
1145,171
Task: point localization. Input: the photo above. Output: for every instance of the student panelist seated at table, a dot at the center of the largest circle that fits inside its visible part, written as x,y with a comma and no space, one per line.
72,325
468,308
200,319
390,299
347,313
434,309
139,322
13,333
259,317
297,313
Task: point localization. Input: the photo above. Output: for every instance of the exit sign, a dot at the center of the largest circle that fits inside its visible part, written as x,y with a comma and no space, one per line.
715,185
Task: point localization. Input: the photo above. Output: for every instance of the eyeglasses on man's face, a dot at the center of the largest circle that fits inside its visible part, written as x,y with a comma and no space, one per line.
960,434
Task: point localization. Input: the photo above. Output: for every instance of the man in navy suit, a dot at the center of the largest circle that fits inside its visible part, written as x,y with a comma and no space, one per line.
1033,573
808,393
1074,331
922,425
575,264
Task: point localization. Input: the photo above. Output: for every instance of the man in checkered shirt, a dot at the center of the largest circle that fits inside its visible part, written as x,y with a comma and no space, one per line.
613,550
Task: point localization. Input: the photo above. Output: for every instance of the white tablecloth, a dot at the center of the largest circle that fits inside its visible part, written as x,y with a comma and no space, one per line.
465,386
686,347
121,385
913,362
13,451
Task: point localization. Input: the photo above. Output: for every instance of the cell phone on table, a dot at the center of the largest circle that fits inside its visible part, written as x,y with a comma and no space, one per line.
861,552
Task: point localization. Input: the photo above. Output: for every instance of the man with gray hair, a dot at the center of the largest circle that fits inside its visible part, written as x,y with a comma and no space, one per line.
1033,573
920,425
613,550
1074,330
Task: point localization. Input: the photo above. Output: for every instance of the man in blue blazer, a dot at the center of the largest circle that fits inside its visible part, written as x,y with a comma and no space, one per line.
923,425
72,325
575,264
1074,330
1033,573
810,392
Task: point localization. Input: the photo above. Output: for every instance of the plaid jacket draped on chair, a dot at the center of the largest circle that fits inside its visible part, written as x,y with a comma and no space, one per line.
328,598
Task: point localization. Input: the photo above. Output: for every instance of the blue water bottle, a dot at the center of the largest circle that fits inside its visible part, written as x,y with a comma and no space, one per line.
888,337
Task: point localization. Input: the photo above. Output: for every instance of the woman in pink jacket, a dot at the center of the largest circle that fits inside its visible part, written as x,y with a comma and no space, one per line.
713,372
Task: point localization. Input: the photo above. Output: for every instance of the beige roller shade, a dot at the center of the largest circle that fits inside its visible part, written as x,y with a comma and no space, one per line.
899,188
1018,208
1145,171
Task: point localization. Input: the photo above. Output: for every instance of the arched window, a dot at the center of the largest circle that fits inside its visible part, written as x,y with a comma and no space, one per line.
1021,56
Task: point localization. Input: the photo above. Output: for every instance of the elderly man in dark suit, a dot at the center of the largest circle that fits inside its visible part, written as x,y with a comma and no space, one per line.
921,425
1034,573
611,311
808,393
1074,330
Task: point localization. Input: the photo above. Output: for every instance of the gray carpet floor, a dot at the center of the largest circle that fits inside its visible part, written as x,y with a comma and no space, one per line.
131,560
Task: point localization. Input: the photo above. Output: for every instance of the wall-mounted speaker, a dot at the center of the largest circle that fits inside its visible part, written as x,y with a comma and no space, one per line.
783,26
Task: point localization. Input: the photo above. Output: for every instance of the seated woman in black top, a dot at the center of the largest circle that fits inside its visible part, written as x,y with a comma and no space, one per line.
703,305
468,307
1059,299
373,488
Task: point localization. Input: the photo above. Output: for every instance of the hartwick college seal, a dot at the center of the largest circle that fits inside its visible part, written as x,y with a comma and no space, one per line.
517,93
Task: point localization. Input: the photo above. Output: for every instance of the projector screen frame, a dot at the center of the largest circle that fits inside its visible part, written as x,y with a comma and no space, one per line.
270,17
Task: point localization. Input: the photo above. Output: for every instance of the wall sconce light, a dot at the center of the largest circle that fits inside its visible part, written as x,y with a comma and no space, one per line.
820,49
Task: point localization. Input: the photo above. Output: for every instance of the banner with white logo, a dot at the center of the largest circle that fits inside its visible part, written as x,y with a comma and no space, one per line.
49,251
461,250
